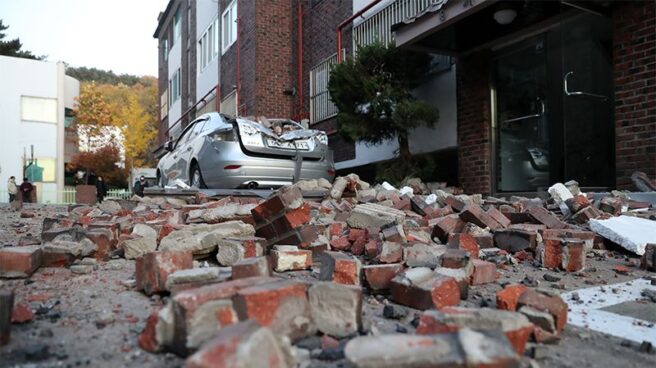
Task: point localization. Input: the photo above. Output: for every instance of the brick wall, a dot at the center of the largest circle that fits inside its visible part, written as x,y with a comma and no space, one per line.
275,57
319,42
473,96
634,59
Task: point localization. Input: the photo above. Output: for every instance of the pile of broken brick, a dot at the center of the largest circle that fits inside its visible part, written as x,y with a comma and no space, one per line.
290,267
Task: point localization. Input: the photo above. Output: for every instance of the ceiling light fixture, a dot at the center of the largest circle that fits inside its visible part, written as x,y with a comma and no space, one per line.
505,16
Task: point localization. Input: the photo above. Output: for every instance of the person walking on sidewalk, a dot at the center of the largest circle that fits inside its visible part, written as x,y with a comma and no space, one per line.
139,186
101,189
12,188
26,189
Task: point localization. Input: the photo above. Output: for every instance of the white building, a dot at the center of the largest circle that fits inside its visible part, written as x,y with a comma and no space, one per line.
34,100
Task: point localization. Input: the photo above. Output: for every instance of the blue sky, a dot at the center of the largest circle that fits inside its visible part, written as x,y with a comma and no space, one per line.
106,34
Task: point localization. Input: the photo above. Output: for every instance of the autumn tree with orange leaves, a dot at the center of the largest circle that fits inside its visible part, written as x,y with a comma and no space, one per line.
121,116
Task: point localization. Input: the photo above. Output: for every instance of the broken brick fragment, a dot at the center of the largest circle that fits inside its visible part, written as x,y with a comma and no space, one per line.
421,288
19,262
508,297
484,272
474,213
547,302
379,277
245,344
340,268
21,313
250,267
153,269
280,305
464,242
290,258
515,326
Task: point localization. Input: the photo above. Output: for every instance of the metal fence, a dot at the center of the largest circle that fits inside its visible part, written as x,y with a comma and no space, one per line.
67,195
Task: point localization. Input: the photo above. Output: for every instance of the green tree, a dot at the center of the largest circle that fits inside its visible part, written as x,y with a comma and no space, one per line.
373,93
13,47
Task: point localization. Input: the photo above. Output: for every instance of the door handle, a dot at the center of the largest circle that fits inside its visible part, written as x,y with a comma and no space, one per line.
531,116
579,93
188,148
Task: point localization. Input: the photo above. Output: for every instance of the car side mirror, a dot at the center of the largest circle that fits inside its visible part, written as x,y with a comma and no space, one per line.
169,146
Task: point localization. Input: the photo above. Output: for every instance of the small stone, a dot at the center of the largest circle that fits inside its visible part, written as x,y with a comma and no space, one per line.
392,311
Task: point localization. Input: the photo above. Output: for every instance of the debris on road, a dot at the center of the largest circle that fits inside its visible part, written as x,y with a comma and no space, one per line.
246,279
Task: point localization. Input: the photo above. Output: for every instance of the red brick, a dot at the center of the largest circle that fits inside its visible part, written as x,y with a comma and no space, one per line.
153,269
484,272
447,225
394,233
102,238
148,337
19,261
372,248
285,198
379,277
465,242
499,217
508,297
552,304
432,291
455,203
340,268
292,219
542,216
21,313
250,267
577,203
474,213
514,325
244,344
280,305
337,229
187,303
291,259
587,214
455,258
340,243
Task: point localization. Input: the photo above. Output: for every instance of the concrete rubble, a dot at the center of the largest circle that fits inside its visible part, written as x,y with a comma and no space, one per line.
370,276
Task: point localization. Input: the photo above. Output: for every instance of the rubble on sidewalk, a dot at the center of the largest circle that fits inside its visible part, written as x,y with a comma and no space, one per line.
241,279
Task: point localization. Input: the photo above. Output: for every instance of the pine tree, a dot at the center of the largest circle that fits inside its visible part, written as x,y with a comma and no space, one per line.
13,47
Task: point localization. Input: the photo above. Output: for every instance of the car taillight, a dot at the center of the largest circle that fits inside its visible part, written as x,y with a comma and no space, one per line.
331,172
231,167
224,136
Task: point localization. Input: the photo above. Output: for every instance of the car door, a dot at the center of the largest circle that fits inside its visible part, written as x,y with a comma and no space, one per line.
170,164
186,150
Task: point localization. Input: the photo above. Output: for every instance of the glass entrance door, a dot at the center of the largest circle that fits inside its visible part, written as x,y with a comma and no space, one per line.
587,97
554,108
522,103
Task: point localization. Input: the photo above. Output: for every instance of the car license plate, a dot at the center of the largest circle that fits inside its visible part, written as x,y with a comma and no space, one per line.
300,145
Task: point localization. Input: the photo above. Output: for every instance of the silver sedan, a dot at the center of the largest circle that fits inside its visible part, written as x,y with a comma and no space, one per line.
221,152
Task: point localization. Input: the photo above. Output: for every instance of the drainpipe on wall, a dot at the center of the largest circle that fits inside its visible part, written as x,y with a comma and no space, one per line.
300,60
61,137
348,21
238,61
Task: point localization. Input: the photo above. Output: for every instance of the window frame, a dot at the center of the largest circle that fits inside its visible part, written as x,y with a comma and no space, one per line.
177,25
174,88
231,10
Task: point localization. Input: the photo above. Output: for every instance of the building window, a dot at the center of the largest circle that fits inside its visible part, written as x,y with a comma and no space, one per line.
164,103
177,26
39,109
321,107
208,45
229,20
174,87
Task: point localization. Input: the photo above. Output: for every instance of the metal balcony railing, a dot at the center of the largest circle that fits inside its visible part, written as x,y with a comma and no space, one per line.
321,107
377,28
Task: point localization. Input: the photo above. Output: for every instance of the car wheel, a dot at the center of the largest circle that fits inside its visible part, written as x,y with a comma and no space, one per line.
197,178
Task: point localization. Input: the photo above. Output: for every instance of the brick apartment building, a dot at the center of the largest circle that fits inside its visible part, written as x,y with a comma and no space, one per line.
541,91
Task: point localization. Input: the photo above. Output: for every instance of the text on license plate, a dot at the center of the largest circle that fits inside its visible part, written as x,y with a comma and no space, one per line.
300,145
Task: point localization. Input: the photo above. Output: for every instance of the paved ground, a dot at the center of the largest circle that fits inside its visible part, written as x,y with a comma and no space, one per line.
94,319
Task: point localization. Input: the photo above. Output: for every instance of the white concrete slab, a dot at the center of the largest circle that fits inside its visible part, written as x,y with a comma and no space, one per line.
632,233
588,314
